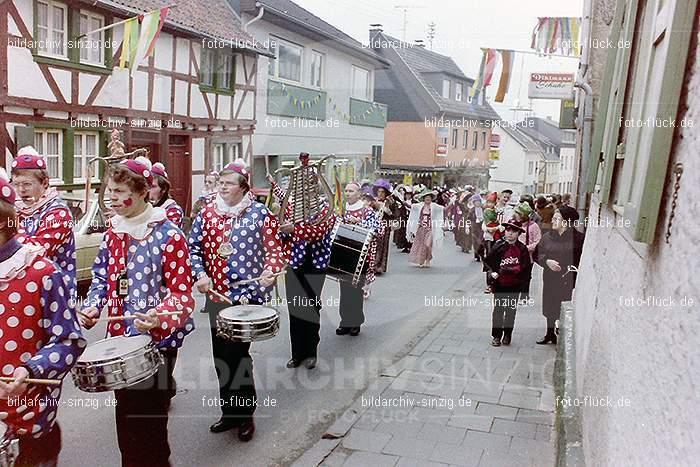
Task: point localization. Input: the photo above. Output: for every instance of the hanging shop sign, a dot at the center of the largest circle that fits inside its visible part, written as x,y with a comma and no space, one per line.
567,114
494,154
495,141
550,86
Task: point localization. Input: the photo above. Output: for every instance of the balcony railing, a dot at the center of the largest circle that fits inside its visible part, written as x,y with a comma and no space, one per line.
295,101
367,113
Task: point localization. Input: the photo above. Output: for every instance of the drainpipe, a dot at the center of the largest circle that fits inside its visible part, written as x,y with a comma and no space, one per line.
585,152
260,14
582,167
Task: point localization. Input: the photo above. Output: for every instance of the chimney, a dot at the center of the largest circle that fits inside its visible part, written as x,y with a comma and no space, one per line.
374,29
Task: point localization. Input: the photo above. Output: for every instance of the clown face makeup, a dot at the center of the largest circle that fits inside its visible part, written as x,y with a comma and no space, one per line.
123,201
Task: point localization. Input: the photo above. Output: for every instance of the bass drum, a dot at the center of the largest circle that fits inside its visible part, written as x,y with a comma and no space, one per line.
350,253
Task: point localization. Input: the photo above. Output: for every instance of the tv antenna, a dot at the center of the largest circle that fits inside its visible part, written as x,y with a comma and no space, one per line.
405,9
431,33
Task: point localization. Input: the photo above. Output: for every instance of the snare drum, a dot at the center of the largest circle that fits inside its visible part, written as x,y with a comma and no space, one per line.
116,363
350,253
9,447
247,323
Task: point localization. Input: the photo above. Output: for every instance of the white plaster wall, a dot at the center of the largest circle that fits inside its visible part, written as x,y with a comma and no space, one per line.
161,93
85,84
115,91
182,62
648,355
275,134
181,97
511,167
163,53
29,82
140,90
26,12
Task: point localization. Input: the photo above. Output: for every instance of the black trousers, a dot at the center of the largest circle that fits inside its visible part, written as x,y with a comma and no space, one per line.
351,305
142,417
234,370
503,317
40,452
303,288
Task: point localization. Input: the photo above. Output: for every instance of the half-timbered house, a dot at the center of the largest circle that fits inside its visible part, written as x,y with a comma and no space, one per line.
191,103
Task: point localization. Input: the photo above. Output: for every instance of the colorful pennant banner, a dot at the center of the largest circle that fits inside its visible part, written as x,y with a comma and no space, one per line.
557,34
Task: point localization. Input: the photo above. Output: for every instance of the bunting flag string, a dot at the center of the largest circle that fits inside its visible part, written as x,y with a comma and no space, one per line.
307,103
557,34
504,82
139,45
478,81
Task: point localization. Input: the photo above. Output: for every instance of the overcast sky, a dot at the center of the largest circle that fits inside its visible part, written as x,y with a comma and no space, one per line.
462,27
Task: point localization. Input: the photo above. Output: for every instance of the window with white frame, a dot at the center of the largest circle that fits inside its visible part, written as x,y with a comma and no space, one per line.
49,143
530,167
233,152
466,138
225,70
475,141
92,45
459,91
206,67
85,147
218,156
360,83
446,88
288,60
483,140
316,69
455,137
52,24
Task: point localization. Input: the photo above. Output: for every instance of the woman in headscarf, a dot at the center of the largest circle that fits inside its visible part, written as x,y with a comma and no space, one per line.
559,249
425,224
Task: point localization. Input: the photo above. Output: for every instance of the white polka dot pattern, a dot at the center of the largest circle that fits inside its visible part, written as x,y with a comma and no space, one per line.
256,244
48,341
153,284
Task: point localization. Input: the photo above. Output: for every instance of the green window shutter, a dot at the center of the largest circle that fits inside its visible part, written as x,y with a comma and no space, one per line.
24,136
602,112
664,54
68,152
616,100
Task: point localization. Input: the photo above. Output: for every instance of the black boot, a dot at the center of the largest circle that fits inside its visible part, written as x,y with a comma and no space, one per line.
549,338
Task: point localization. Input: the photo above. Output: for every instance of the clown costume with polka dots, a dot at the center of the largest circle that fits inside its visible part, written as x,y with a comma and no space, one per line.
351,306
160,195
142,269
309,250
40,338
44,218
234,238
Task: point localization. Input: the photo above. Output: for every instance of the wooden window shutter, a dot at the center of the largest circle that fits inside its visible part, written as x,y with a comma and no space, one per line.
24,136
616,99
601,114
662,64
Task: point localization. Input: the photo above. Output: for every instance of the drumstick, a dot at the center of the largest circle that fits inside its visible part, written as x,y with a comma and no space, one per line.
255,279
222,297
50,382
119,318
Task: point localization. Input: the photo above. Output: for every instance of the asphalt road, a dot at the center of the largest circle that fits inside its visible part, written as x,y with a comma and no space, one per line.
296,406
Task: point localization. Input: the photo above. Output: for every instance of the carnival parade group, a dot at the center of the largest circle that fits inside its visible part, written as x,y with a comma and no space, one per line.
235,251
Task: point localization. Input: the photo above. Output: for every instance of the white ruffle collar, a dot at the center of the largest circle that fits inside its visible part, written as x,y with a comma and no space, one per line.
19,261
356,206
224,209
140,226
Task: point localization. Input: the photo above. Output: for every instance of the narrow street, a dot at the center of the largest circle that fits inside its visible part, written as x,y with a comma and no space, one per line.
306,402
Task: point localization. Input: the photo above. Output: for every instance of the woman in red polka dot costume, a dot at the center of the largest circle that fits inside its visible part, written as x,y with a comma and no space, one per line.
142,268
44,218
39,338
160,195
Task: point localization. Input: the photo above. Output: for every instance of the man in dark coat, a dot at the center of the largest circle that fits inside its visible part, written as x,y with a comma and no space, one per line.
508,263
560,248
389,211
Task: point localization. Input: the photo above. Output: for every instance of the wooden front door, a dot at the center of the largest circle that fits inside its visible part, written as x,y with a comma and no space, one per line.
179,166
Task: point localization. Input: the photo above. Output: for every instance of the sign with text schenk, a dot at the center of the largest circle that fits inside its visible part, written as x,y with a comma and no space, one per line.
550,86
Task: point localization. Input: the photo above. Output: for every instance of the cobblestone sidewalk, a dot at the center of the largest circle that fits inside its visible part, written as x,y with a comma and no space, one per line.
454,399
